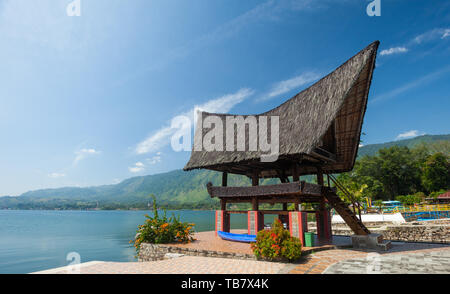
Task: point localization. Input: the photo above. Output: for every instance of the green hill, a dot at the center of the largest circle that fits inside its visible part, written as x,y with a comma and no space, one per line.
176,189
410,143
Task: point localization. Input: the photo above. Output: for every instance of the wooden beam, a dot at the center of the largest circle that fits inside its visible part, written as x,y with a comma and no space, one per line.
262,211
223,204
324,154
302,199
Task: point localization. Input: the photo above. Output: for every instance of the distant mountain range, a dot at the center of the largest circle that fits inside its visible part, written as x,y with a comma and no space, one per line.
372,149
175,189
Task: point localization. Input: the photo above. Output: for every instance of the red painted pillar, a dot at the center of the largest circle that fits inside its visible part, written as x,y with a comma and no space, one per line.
222,221
298,225
255,222
323,219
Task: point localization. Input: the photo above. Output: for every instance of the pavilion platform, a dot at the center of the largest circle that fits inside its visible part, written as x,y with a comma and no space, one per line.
208,244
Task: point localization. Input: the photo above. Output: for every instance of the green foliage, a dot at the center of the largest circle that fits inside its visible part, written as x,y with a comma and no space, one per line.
435,143
436,172
437,193
411,199
398,171
378,204
276,243
161,230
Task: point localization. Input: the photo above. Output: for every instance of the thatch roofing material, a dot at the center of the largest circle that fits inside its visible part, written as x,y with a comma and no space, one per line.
334,105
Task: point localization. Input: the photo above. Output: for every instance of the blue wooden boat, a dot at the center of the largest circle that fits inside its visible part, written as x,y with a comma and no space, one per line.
237,237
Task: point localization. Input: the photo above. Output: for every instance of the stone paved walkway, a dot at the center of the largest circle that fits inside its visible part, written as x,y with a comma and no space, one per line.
430,262
181,265
342,260
316,263
402,258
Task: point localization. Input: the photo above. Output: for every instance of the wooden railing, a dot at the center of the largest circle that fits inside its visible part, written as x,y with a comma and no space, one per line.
418,208
350,196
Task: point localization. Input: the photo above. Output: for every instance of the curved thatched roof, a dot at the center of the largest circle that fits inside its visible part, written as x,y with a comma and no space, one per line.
319,126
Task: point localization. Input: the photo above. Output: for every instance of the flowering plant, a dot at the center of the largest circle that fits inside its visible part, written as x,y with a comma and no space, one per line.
276,243
158,230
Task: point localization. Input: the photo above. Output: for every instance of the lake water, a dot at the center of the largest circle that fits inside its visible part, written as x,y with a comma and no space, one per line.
37,240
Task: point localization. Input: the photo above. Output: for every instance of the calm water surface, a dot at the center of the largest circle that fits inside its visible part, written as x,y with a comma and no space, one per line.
38,240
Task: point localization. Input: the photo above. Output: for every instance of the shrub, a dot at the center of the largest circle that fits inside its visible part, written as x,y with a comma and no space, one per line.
160,230
276,244
411,199
435,195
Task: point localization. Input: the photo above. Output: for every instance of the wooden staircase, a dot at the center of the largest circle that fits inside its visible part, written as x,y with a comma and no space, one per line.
346,213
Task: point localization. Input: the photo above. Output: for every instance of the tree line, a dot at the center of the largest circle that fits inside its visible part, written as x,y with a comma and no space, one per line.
400,173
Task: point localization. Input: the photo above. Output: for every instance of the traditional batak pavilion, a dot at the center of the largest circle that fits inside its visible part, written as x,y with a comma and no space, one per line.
319,133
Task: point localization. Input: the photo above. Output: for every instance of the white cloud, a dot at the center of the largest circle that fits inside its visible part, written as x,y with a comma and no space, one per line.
138,167
290,84
394,50
428,36
154,160
431,35
83,153
156,141
222,104
409,134
225,103
56,175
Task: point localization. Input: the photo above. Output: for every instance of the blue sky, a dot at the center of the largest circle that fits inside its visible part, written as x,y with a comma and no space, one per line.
87,100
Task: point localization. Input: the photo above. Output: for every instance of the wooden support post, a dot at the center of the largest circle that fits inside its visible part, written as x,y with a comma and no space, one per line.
222,221
223,204
284,218
323,220
255,206
224,179
255,179
295,174
319,177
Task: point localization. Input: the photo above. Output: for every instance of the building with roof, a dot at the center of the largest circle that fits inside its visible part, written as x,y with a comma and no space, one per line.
317,132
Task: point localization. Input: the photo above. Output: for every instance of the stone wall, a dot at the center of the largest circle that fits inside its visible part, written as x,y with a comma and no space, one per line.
152,252
436,231
418,233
